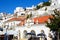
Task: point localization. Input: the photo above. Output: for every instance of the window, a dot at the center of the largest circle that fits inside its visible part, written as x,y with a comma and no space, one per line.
23,14
25,33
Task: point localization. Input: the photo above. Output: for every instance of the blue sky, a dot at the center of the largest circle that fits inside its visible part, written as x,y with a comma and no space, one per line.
9,5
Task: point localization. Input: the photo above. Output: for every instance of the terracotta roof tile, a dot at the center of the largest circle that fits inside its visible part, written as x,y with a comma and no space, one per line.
42,19
17,19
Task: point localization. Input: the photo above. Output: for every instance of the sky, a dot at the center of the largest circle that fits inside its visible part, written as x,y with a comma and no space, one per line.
9,6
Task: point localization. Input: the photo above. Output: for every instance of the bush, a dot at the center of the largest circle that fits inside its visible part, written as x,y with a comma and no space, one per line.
46,4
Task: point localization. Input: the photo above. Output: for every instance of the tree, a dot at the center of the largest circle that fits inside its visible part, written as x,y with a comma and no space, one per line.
29,16
46,4
54,24
39,6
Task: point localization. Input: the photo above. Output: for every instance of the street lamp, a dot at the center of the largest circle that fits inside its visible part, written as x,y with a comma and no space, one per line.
6,36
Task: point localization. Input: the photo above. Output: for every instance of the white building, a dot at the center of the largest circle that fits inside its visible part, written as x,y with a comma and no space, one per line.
19,26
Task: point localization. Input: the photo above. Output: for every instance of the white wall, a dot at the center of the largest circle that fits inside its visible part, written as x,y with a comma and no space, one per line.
37,28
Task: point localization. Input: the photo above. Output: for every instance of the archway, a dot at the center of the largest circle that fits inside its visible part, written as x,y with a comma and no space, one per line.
33,33
42,31
42,35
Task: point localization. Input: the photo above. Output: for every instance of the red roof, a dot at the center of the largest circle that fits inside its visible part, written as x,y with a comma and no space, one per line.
42,19
17,19
22,19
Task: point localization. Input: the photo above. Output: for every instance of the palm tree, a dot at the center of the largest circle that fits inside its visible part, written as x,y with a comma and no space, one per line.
54,24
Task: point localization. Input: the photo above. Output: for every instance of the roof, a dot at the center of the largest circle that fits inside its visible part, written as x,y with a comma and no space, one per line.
42,19
22,20
17,19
